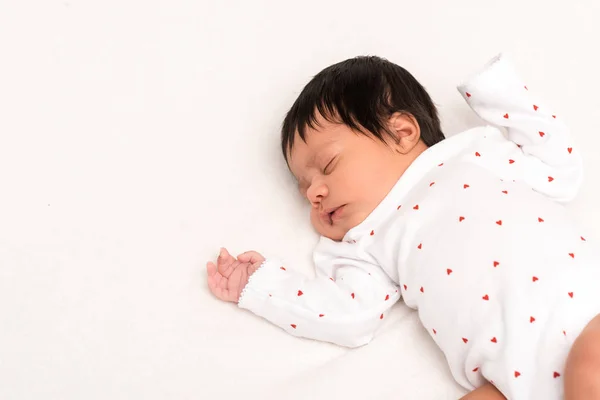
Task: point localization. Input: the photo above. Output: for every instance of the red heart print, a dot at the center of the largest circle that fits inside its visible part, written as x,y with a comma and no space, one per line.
556,374
465,340
565,333
571,294
461,219
448,271
321,315
505,191
486,297
494,340
270,295
496,263
331,279
477,154
499,222
572,255
422,290
352,294
511,161
540,220
535,279
434,331
525,87
282,268
387,297
570,150
405,287
416,207
475,369
542,134
554,116
439,165
372,233
293,326
431,184
582,238
535,107
531,320
381,316
506,116
550,179
300,293
466,186
517,374
468,94
420,246
399,207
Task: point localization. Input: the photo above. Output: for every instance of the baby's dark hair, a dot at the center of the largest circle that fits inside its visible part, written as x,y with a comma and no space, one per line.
361,92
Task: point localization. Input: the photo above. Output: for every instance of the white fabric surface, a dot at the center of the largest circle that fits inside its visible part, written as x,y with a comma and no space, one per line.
138,137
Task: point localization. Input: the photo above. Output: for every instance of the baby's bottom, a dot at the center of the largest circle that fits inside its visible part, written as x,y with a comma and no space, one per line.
582,370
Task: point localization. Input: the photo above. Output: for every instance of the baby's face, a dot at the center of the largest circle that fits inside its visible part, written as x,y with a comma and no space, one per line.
344,175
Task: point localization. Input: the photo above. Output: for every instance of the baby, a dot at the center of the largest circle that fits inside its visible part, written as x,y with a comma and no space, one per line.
468,230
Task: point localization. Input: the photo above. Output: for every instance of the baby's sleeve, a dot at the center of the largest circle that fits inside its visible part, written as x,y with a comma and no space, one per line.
344,304
544,156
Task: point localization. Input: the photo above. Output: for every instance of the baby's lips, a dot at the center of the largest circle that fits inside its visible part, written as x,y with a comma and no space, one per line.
326,213
325,217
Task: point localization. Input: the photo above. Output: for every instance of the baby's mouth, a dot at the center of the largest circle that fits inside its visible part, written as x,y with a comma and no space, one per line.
333,214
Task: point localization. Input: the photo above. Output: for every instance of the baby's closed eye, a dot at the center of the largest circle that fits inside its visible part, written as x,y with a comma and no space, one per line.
329,167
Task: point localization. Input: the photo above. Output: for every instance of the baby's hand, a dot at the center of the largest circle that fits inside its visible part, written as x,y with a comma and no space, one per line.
227,279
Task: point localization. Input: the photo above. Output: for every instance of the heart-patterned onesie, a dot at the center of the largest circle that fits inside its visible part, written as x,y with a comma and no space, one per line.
474,237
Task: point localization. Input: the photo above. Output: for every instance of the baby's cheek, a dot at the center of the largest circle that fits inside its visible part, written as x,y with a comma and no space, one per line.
315,220
321,228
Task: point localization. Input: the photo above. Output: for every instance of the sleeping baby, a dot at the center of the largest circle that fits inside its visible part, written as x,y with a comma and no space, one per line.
470,230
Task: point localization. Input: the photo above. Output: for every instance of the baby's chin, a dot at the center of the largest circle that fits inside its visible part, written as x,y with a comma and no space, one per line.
334,232
337,230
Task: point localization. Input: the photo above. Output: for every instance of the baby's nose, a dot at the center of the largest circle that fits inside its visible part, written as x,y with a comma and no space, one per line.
316,192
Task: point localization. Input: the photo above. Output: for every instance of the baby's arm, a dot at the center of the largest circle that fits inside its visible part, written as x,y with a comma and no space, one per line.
545,157
344,304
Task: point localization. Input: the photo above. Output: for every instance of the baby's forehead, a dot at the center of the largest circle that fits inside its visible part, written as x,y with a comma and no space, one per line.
320,136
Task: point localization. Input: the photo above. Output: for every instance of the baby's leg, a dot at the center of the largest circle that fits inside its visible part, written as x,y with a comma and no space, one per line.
582,371
485,392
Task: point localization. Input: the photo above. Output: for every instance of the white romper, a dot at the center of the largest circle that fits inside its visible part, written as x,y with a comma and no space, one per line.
474,237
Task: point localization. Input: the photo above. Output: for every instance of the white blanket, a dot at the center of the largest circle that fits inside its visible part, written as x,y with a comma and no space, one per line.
136,138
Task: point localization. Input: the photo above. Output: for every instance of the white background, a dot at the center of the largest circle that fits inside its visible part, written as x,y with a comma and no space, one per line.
137,137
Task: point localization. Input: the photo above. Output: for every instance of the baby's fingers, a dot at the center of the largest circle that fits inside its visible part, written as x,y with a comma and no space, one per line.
224,262
217,283
214,278
211,269
251,257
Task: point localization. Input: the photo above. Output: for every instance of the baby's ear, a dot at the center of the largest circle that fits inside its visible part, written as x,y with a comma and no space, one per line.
406,131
